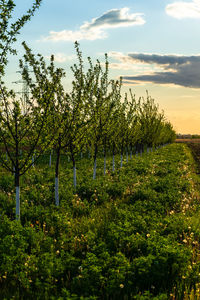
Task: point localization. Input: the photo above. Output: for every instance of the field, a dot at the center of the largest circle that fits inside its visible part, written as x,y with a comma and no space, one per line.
132,234
187,141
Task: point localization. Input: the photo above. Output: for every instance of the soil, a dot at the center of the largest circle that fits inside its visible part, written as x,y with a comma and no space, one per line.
195,148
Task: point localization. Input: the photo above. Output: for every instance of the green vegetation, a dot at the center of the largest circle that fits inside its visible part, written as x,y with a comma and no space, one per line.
112,228
132,234
93,116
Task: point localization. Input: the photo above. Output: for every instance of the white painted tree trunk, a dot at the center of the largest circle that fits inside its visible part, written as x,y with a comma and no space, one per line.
81,155
95,169
113,163
33,160
6,156
121,163
68,159
126,156
17,203
56,191
88,154
74,176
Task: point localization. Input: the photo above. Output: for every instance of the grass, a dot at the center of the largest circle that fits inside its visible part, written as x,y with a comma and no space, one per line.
132,234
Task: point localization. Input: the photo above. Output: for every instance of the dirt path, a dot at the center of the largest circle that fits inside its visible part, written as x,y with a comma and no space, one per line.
195,148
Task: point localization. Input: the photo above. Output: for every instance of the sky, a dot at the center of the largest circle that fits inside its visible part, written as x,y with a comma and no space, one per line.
153,44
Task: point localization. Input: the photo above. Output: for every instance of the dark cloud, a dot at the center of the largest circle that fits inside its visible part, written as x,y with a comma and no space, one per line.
178,70
164,59
115,18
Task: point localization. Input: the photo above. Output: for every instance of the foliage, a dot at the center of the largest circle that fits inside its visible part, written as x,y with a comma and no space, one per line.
130,234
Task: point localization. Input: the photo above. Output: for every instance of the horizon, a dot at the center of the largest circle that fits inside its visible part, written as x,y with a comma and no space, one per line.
154,46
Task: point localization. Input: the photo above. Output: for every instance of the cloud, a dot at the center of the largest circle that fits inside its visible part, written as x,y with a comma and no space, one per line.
95,29
173,69
181,10
61,57
126,63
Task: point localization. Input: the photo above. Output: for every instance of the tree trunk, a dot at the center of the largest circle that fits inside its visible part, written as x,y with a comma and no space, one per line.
17,188
95,162
56,177
50,160
131,153
121,163
113,160
104,172
113,163
33,160
126,155
74,171
141,150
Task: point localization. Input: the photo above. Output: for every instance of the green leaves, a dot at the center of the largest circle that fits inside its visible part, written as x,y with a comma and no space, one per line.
120,236
9,30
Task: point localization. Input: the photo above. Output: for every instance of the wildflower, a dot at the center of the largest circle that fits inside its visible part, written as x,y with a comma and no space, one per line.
121,286
148,235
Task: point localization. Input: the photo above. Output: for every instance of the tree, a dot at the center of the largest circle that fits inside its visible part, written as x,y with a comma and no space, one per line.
151,121
10,113
9,30
28,132
101,106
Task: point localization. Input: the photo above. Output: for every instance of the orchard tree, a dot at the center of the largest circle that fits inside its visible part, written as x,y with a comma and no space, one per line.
108,114
9,30
101,103
151,121
124,127
133,123
79,122
25,134
51,104
10,112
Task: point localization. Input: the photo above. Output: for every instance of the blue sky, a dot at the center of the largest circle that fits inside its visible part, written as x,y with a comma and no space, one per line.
153,44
